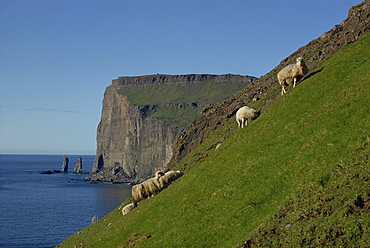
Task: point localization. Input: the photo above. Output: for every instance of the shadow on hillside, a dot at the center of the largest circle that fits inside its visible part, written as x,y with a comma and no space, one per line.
311,74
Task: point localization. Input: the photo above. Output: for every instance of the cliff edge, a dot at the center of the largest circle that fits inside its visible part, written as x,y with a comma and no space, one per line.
142,116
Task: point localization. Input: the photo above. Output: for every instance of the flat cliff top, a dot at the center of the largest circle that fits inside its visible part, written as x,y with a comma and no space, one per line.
201,89
178,79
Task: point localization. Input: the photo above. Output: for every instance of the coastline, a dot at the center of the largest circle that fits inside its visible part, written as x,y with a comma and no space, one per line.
57,205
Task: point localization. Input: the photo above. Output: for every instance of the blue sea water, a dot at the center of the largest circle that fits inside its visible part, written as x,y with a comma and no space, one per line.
41,210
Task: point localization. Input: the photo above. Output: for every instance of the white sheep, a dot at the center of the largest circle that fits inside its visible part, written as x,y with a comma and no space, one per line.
291,73
164,182
147,189
168,178
243,114
173,175
153,186
138,193
128,208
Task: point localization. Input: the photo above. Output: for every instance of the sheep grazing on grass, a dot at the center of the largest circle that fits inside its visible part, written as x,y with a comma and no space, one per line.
127,208
291,73
169,177
154,185
138,193
164,181
173,175
245,113
145,190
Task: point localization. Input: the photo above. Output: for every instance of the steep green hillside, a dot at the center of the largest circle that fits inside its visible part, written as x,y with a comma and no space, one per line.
298,175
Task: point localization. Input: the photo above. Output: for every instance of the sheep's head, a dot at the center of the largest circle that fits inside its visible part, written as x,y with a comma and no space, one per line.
158,174
256,113
301,62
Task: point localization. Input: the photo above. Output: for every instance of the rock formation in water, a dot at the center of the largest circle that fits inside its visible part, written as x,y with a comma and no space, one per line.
142,116
65,164
50,172
78,165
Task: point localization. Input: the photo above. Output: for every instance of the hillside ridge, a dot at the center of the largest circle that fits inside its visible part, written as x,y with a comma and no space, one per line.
265,88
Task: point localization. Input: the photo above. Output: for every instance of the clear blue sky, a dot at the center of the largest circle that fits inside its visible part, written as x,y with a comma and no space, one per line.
57,57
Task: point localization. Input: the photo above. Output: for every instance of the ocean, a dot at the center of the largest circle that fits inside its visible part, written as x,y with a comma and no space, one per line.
41,210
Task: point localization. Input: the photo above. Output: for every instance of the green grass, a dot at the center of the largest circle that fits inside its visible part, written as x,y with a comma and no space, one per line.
178,117
207,92
328,212
291,178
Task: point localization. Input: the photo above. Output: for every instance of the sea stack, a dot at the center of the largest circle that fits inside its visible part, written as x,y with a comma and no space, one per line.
78,166
65,164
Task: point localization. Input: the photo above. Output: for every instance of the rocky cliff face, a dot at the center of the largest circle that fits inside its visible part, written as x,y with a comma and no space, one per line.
132,143
266,88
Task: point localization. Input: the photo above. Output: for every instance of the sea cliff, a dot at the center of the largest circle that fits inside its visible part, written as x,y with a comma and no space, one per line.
142,116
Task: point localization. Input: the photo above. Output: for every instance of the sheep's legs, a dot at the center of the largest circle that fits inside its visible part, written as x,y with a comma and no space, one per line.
295,80
243,122
283,90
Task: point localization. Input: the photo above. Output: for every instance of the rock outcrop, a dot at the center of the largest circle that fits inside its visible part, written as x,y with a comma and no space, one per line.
50,172
78,166
65,163
142,116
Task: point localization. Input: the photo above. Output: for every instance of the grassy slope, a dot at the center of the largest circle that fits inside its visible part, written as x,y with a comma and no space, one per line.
178,117
313,139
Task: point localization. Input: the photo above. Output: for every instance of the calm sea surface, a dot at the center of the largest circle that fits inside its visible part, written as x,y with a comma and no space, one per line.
41,210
